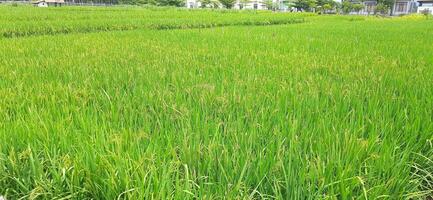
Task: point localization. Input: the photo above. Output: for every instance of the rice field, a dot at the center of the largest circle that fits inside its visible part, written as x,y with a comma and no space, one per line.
214,105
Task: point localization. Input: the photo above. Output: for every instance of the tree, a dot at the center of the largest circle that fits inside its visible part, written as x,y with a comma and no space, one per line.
205,3
327,7
346,6
289,3
177,3
301,5
227,3
382,8
215,4
386,5
357,7
312,5
270,5
337,7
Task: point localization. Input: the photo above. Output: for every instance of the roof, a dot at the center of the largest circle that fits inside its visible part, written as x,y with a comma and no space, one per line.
425,0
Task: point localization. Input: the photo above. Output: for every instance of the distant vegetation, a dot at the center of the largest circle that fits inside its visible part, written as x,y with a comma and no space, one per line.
133,103
25,21
316,6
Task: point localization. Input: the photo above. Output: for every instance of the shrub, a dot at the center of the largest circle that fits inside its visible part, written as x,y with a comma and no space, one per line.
382,8
346,7
357,7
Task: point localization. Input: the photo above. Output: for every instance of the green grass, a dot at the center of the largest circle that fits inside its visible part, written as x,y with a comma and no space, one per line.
333,108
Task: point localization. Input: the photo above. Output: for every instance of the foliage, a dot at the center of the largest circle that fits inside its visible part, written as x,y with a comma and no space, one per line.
346,7
177,3
327,7
205,3
312,5
289,3
382,8
357,7
337,7
324,6
270,5
301,4
305,5
385,6
209,3
227,3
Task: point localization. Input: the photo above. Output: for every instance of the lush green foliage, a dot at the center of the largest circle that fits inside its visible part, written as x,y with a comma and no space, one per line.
333,108
322,6
227,3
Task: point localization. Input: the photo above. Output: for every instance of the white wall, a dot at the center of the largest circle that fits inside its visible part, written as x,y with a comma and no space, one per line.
193,4
250,5
427,7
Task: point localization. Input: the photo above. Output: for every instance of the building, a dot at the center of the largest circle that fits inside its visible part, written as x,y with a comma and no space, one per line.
369,8
46,3
401,7
193,4
255,5
243,4
40,4
425,6
280,5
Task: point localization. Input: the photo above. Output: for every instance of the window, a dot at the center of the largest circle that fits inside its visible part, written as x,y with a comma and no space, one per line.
256,6
370,6
401,7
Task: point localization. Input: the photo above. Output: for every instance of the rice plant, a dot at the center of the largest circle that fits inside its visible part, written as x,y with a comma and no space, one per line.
331,108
